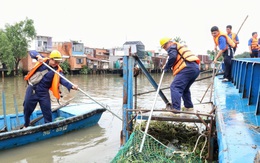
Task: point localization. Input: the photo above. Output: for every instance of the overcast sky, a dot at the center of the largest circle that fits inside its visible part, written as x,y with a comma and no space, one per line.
109,23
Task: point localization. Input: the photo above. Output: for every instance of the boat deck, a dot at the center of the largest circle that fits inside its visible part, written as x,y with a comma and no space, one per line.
237,125
79,109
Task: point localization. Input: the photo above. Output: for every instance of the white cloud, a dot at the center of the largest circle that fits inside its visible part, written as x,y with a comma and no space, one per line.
103,23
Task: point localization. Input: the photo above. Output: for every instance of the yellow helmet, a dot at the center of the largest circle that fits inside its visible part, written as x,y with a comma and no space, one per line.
55,55
164,40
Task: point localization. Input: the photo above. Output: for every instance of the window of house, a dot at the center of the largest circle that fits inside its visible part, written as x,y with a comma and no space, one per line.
79,60
45,45
78,47
39,43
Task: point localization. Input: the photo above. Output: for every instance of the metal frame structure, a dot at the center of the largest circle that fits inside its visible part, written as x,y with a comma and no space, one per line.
130,114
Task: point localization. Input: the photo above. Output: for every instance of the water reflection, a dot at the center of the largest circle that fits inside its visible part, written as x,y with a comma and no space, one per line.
96,144
58,147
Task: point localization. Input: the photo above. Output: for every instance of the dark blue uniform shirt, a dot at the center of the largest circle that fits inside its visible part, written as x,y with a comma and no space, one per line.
172,52
45,84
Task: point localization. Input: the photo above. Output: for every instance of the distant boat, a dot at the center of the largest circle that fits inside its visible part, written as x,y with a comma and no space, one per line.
66,118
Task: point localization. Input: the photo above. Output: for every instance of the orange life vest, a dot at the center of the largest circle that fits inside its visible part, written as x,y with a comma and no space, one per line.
184,54
254,44
233,37
229,40
55,81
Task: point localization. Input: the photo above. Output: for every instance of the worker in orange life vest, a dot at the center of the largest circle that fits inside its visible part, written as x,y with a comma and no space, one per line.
39,91
226,46
185,67
233,36
253,45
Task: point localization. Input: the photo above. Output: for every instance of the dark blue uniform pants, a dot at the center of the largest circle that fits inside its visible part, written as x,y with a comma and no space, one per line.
227,71
180,87
30,102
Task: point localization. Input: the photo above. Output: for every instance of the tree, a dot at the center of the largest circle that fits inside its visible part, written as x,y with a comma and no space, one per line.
243,55
178,39
65,67
6,55
212,54
19,36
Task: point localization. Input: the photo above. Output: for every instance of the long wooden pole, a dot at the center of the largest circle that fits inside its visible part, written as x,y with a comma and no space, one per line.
212,82
16,111
4,109
169,87
213,76
82,91
53,110
242,25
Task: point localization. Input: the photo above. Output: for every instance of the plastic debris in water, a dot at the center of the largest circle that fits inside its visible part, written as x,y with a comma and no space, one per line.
171,148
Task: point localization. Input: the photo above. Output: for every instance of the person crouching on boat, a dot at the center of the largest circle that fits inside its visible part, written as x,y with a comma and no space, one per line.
226,45
40,80
185,67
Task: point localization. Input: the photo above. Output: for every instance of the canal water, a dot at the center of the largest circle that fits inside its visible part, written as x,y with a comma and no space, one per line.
97,144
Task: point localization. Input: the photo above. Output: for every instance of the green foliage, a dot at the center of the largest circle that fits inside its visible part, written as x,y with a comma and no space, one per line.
212,54
6,54
65,67
243,55
84,70
20,72
178,39
18,37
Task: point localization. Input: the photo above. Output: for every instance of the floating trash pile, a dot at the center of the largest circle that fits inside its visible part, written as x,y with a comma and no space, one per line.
165,142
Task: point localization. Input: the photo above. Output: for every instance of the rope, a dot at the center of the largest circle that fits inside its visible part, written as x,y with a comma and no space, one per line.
183,153
194,149
137,94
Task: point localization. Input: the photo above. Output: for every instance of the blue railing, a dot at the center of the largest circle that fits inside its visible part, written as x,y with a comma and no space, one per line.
246,78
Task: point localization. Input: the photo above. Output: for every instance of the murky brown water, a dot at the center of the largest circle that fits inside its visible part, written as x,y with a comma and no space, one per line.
97,144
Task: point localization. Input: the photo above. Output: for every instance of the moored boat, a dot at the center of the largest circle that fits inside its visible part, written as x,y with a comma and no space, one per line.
65,119
237,112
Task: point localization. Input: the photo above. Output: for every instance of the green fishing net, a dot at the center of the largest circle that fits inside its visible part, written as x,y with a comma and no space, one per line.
178,144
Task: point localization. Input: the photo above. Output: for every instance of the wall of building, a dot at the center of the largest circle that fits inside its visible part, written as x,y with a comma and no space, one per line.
27,63
101,54
66,50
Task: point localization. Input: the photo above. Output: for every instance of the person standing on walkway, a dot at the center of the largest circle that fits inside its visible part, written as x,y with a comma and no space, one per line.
253,45
233,36
226,46
185,67
40,80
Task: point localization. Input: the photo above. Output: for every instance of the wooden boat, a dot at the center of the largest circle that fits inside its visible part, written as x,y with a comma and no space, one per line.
67,118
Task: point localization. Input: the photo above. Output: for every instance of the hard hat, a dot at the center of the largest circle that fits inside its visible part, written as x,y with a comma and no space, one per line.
164,40
55,55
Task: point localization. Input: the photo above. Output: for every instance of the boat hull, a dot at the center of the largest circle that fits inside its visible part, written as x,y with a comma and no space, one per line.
14,138
237,120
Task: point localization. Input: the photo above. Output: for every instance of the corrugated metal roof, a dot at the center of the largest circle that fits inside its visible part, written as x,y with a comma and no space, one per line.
133,42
